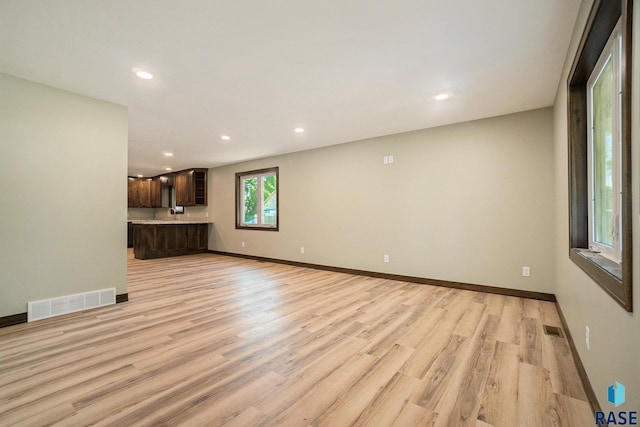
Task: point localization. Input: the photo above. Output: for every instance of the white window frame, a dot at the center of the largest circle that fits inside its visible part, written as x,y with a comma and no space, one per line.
613,51
240,197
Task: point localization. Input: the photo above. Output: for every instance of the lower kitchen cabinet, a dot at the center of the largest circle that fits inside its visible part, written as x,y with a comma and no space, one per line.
129,235
166,240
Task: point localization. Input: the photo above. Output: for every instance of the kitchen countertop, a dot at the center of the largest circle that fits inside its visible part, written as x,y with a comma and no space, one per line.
150,221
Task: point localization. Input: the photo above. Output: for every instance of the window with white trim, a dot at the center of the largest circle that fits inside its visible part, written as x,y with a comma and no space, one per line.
604,151
257,200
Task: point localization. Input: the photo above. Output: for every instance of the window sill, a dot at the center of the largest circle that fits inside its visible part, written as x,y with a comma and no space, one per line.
256,227
605,272
608,265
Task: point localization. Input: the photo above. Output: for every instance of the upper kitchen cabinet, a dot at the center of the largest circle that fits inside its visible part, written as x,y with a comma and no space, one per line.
191,187
156,192
132,193
166,180
144,192
183,183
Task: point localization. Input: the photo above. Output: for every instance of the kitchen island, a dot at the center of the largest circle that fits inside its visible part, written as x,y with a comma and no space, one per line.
165,238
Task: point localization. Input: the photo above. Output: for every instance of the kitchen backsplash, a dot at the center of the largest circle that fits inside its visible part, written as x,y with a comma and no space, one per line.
140,213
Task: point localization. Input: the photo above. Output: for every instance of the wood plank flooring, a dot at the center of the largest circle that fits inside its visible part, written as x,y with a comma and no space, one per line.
209,340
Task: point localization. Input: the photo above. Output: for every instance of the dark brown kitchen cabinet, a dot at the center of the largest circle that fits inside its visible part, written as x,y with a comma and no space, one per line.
200,186
156,192
129,235
132,193
191,187
182,184
144,192
166,180
165,240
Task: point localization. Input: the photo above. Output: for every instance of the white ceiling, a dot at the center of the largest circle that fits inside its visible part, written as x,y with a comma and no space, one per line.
342,69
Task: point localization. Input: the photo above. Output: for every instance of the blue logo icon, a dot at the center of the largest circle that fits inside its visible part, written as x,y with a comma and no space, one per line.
615,394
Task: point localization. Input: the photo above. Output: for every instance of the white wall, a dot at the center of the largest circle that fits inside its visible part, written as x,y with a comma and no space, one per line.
470,202
63,203
615,334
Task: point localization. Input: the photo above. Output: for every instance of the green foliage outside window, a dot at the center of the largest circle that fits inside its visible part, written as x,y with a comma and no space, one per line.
603,168
251,196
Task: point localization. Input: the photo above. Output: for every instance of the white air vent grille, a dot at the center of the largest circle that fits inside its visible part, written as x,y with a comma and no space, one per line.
92,300
59,306
108,296
42,309
76,302
39,309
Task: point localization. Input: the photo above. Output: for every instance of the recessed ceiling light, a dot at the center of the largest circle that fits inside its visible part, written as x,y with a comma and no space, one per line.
298,130
144,74
168,154
225,138
167,169
441,96
140,176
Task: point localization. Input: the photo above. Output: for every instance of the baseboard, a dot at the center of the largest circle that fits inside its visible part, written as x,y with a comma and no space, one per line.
420,280
16,319
582,372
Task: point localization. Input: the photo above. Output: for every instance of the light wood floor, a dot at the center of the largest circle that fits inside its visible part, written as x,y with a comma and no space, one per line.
212,340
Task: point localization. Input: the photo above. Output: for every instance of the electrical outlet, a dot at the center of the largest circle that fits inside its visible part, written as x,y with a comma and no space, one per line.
390,159
587,338
385,159
301,249
385,258
526,271
243,244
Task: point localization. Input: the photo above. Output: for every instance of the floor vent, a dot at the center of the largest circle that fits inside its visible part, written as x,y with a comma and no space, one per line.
554,331
37,310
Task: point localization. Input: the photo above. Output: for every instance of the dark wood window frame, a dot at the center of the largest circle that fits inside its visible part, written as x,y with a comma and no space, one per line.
614,278
238,201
